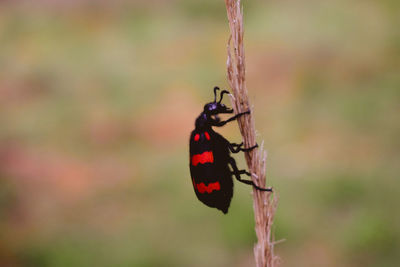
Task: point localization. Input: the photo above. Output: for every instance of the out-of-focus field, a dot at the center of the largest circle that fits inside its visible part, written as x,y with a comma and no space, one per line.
97,101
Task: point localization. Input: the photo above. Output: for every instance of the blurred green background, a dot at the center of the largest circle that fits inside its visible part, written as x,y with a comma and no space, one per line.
97,100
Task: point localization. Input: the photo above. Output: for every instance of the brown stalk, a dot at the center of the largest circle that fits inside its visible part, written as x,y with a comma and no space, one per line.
264,203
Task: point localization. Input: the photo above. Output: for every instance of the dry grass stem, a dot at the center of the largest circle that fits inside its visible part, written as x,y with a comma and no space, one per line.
264,203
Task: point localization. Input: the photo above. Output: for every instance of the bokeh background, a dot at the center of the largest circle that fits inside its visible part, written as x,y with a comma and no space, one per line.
97,100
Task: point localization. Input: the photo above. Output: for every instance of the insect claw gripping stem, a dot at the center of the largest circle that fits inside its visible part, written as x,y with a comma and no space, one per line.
250,148
238,172
236,148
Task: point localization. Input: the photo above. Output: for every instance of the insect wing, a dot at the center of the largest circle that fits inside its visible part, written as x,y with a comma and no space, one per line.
211,178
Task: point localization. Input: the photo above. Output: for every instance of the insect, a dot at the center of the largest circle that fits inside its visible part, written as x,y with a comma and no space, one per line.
210,157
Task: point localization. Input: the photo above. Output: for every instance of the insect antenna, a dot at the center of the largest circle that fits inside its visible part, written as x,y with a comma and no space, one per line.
215,93
222,95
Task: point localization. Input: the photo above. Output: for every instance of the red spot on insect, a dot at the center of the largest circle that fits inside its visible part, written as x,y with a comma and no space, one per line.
205,157
202,188
196,137
207,135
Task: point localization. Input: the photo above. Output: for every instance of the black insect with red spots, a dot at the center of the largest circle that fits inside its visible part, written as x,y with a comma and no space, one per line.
210,157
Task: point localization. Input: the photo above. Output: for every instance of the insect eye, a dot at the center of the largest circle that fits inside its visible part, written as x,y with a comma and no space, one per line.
211,107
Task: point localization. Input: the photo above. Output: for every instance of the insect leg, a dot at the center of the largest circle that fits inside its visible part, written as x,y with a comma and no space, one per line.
236,148
238,172
222,123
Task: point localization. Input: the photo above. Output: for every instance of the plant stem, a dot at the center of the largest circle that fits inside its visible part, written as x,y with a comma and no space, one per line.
264,203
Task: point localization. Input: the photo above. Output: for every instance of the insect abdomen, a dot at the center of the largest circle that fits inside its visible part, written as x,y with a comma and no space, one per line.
211,178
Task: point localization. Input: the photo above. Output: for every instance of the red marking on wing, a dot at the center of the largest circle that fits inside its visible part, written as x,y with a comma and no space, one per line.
207,135
205,157
196,137
202,188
